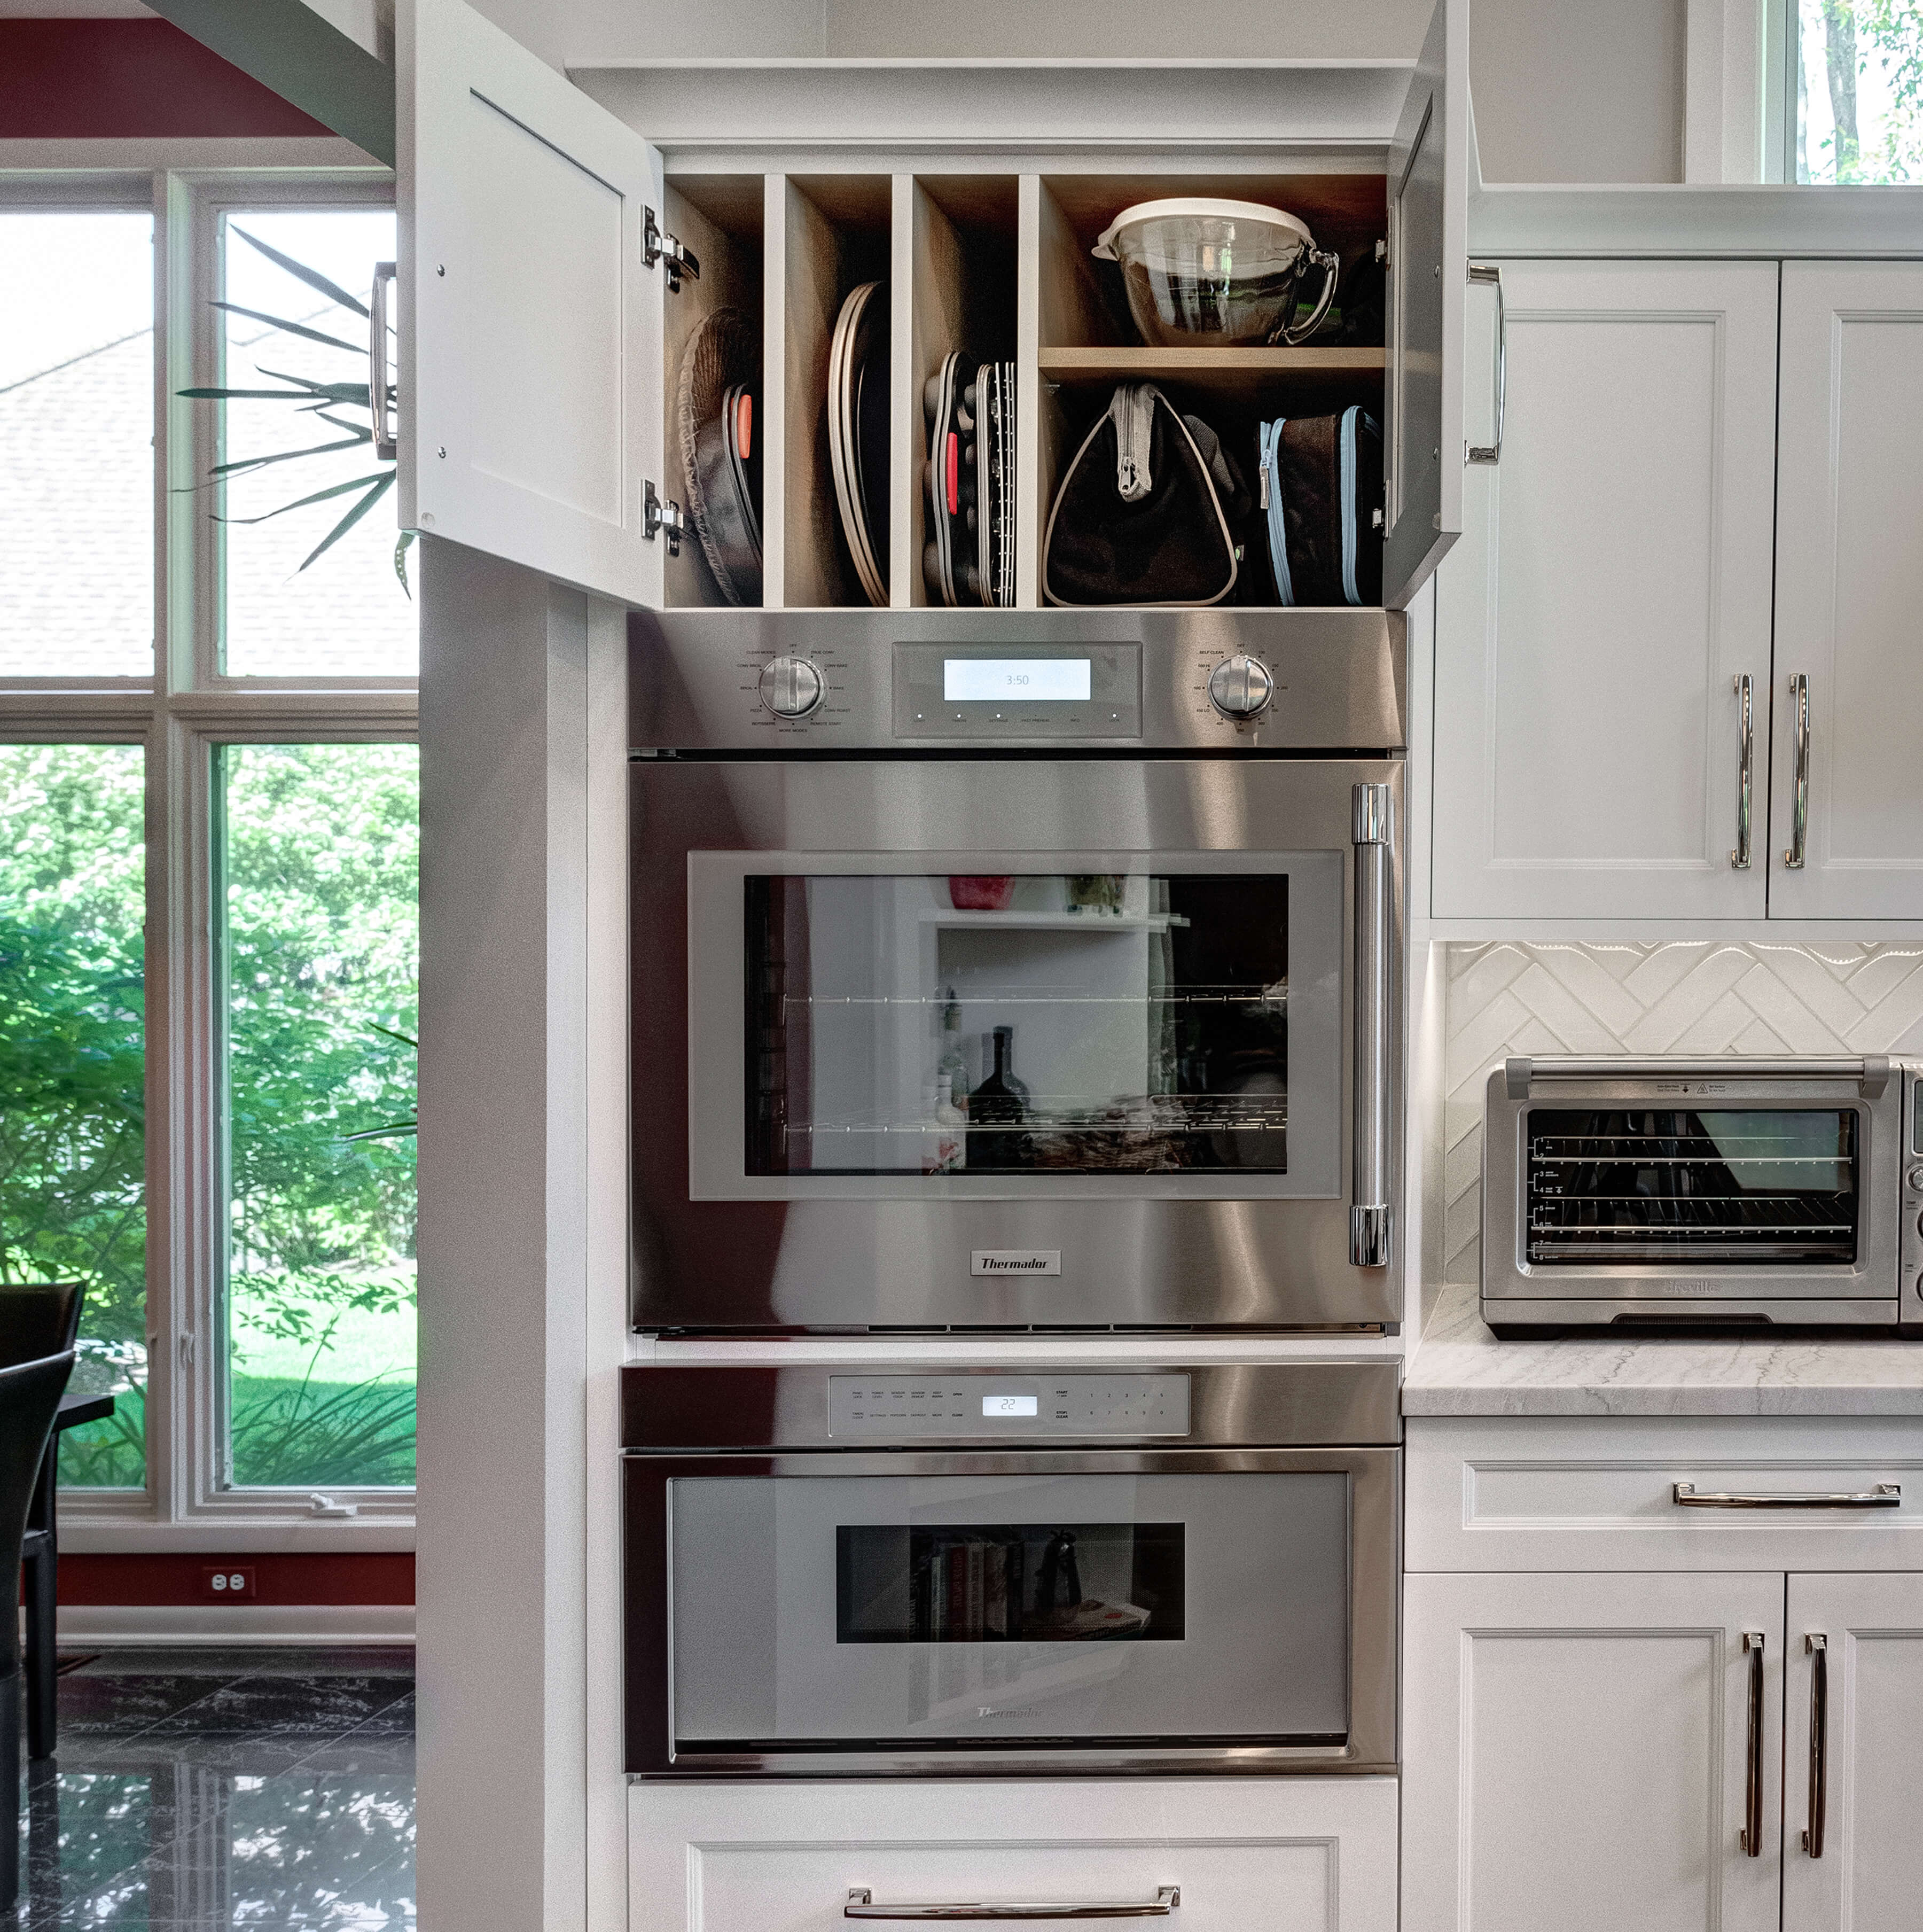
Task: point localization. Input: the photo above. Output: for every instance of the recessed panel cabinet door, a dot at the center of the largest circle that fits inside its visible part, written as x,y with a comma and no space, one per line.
1610,596
1578,1753
1852,1850
530,321
1846,785
1428,218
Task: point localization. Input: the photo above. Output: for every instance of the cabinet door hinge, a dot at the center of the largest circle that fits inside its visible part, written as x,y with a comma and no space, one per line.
659,513
657,246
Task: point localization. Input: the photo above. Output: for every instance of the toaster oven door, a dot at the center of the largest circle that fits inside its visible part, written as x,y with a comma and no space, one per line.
1691,1199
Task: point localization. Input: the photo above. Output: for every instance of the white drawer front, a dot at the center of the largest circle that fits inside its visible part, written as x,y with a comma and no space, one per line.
1551,1493
1245,1855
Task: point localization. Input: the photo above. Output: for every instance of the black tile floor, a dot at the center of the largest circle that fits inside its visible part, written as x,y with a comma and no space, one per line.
210,1788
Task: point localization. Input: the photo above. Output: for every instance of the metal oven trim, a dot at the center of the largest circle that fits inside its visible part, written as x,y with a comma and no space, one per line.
1375,1563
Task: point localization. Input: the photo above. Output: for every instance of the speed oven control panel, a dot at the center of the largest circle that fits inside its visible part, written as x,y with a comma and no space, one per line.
891,1406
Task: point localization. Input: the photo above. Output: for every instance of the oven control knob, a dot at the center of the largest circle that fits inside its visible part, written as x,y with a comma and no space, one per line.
791,687
1241,687
1916,1177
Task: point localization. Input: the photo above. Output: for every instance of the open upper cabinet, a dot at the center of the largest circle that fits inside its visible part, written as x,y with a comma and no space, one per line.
558,270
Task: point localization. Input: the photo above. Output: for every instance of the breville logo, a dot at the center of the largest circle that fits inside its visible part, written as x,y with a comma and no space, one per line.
1015,1261
1683,1287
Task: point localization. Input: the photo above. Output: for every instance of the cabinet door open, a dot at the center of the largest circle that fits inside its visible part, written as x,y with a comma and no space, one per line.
1852,1858
1846,810
530,312
1580,1752
1428,214
1599,624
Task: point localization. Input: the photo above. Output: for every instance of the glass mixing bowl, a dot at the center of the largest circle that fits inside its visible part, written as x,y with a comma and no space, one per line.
1201,273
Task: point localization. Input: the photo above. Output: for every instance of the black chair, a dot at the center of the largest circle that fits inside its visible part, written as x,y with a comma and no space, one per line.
38,1319
30,1393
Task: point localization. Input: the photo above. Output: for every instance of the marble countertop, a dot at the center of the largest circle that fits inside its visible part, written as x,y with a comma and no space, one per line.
1459,1368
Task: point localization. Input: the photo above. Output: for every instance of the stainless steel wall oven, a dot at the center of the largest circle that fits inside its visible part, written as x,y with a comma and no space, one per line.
836,1571
1050,984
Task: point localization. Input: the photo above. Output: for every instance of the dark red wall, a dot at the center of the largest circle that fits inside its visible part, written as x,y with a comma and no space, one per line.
96,80
375,1577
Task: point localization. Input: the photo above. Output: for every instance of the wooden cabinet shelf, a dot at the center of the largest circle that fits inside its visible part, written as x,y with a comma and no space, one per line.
1235,371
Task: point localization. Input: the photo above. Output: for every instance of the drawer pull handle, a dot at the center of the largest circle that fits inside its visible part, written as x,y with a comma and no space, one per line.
861,1905
1750,1837
1817,1644
1885,1495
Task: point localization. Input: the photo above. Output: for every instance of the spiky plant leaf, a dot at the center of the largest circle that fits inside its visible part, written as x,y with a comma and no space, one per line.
299,328
348,522
383,477
301,272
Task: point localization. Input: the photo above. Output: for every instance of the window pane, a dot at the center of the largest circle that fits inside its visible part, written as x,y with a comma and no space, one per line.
1859,91
288,611
72,1055
76,423
320,846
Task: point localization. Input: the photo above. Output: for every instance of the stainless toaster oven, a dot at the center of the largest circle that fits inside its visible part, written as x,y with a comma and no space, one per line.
1735,1193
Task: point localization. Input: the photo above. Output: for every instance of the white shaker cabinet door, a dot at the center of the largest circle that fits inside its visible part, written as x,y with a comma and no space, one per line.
1428,222
1863,1699
529,410
1611,592
1850,596
1578,1753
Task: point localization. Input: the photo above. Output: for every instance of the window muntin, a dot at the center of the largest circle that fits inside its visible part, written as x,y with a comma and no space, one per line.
72,1070
77,425
346,613
318,856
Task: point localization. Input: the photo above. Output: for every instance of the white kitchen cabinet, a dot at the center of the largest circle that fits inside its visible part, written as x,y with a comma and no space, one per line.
1577,1751
541,326
1244,1855
1849,590
1864,1873
1611,589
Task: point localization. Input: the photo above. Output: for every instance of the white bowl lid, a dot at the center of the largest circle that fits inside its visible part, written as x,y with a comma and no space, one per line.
1194,205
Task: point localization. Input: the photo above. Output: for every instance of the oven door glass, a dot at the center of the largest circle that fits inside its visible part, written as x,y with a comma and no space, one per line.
888,1613
926,1032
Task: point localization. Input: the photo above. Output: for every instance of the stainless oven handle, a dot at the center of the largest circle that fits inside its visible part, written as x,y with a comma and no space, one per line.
1372,832
1885,1495
1871,1072
861,1905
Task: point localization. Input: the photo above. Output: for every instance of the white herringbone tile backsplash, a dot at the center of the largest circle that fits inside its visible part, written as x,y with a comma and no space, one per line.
1695,998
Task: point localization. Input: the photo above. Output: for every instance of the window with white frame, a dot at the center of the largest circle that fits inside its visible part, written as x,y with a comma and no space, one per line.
1854,71
208,875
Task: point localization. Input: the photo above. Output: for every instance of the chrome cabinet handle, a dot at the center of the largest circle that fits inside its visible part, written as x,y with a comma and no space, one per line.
1885,1495
861,1905
1745,774
1750,1837
1493,452
377,362
1817,1644
1799,807
1372,834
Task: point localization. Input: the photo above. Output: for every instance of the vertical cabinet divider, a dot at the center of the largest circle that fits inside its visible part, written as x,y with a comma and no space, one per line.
772,429
911,211
1028,401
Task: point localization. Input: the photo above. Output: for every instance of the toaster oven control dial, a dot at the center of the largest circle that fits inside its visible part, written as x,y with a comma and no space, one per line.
791,687
1241,687
1916,1177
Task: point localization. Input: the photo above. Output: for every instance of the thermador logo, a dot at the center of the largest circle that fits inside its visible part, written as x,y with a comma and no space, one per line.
1015,1261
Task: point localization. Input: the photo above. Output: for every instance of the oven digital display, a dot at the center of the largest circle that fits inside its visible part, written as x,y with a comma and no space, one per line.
1015,680
1010,1404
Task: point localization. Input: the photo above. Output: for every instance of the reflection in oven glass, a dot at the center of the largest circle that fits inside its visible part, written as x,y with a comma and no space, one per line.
1008,1583
1071,1023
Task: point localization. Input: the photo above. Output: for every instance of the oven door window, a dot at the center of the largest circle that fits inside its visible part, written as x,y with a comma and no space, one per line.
905,1034
885,1613
1707,1187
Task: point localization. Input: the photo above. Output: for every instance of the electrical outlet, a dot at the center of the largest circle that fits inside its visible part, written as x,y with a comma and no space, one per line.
231,1582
